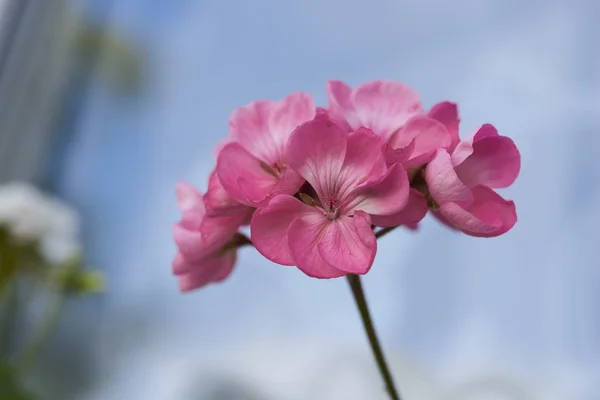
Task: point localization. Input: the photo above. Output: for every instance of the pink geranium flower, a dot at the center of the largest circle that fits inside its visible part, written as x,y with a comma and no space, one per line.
393,110
461,184
206,245
328,234
252,166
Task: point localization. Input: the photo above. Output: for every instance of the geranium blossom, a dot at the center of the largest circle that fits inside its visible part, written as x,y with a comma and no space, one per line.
393,110
206,245
461,184
252,165
315,183
329,233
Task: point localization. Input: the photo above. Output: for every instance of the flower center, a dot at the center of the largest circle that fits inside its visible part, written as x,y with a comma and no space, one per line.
331,209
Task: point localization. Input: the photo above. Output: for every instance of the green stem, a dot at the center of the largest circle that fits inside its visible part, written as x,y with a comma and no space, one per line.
361,303
33,349
9,316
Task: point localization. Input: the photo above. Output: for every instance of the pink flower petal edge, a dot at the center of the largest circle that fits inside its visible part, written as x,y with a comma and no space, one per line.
201,240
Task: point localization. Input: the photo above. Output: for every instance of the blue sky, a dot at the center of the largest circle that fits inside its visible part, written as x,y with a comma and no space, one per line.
525,304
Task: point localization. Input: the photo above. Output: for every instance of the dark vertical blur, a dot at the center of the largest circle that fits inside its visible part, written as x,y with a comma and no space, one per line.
34,56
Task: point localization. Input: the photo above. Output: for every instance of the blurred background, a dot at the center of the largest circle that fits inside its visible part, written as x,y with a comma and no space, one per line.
106,104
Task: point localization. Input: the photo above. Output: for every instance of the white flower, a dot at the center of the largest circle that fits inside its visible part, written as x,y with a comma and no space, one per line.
28,214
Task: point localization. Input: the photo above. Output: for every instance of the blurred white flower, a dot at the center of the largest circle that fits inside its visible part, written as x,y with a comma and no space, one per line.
29,214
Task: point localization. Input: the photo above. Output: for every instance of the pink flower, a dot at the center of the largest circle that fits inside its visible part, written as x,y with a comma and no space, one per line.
393,110
252,166
329,233
206,245
461,183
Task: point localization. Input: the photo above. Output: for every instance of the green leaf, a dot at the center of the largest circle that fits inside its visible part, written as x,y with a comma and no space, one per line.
10,387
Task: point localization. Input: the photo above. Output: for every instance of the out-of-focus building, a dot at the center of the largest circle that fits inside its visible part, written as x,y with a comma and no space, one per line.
36,41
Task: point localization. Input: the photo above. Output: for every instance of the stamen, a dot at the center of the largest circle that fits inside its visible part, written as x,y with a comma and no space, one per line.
268,169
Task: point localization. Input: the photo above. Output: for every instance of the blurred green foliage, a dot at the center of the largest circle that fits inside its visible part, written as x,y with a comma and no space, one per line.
10,387
26,274
123,59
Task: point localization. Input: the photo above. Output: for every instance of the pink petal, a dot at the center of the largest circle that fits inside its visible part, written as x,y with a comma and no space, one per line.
349,244
288,183
384,106
196,238
270,224
489,215
303,237
399,155
257,192
188,197
250,127
414,211
428,135
219,229
192,245
340,103
495,162
218,202
292,111
243,176
222,143
381,196
316,150
443,220
325,114
443,183
447,113
211,270
364,160
322,113
465,147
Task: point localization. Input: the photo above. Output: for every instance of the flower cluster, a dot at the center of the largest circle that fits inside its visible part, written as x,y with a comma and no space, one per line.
314,183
